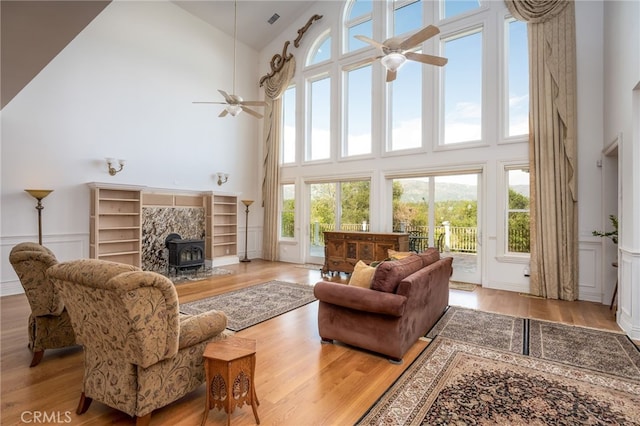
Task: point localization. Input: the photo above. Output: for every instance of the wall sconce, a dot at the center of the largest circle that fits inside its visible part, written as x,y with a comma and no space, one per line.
113,170
222,178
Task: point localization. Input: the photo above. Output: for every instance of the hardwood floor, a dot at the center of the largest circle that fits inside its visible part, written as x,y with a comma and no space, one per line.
299,381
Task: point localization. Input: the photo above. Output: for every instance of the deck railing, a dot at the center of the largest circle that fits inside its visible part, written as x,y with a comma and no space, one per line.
463,239
460,239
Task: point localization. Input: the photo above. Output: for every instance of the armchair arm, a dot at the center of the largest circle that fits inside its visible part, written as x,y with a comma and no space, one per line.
198,328
360,299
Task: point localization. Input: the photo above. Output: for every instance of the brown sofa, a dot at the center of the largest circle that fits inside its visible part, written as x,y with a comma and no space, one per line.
405,299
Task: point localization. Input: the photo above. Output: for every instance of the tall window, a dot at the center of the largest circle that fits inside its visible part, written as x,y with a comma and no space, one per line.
287,211
319,138
453,8
518,213
358,22
463,88
517,78
359,103
289,126
407,16
405,96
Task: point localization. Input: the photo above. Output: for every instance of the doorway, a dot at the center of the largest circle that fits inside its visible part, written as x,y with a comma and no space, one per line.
442,211
333,206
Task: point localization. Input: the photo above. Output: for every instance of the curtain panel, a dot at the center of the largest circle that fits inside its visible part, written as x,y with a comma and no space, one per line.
274,87
552,145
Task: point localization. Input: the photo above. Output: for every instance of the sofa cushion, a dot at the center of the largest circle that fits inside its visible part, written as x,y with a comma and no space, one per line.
398,254
362,275
429,256
388,274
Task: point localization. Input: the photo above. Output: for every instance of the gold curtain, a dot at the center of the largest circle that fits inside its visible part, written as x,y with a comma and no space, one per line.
552,145
274,87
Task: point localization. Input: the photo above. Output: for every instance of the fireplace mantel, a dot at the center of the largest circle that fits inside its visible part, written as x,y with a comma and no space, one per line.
129,223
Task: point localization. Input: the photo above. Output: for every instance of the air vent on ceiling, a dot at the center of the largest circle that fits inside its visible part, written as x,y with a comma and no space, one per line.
274,18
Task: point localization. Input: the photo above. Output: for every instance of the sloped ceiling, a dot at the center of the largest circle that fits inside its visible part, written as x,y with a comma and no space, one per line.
33,33
254,30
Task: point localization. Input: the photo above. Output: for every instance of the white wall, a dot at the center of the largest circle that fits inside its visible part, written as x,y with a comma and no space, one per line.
621,122
124,88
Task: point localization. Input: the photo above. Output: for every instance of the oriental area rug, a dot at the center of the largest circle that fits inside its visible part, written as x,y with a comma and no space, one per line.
571,375
252,305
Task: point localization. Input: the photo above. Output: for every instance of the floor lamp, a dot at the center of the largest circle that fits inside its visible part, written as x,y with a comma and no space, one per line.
39,194
247,203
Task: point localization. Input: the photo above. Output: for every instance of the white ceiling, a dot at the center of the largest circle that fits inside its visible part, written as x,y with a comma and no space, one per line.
253,28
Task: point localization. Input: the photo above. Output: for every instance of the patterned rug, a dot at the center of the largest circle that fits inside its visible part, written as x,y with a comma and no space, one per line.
252,305
596,350
454,382
502,332
589,348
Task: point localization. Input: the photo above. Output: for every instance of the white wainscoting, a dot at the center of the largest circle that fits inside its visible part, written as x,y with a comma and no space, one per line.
590,286
628,315
65,247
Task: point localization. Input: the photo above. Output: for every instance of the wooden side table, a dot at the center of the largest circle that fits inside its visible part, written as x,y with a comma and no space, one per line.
230,366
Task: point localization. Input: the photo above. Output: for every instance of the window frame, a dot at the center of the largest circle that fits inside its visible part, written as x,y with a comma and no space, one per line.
282,211
503,108
502,248
308,130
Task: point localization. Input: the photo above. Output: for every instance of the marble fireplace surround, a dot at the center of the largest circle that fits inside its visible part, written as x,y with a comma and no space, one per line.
166,213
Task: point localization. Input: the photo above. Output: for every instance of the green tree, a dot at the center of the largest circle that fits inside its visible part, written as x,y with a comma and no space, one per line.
288,218
355,196
519,234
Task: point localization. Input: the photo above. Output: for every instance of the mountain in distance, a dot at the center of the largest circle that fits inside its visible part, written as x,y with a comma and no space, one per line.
416,191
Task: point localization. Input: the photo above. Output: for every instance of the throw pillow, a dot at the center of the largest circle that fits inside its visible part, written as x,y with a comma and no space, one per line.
362,275
389,274
429,256
398,254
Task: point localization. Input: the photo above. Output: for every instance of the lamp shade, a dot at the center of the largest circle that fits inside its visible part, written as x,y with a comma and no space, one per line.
39,194
393,61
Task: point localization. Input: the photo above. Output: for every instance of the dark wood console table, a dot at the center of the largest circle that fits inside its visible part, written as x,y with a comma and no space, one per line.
343,249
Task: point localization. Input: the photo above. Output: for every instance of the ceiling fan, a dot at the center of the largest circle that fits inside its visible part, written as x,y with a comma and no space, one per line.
396,51
234,103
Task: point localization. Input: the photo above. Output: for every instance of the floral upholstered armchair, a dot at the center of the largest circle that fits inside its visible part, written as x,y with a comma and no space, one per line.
49,323
140,352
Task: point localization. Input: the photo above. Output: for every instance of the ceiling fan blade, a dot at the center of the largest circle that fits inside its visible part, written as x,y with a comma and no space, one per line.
370,41
417,38
225,95
391,75
203,102
251,112
223,113
253,103
427,59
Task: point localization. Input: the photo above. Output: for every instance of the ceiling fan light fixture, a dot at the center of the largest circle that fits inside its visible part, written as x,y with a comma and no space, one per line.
234,109
393,61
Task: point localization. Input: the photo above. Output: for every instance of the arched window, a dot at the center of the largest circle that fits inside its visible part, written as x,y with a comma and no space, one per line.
358,21
321,50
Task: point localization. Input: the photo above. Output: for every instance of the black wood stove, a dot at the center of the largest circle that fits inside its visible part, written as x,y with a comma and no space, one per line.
184,254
